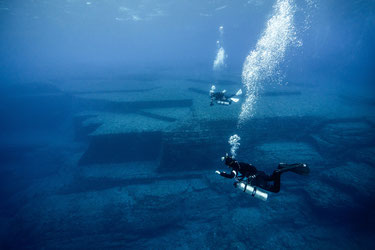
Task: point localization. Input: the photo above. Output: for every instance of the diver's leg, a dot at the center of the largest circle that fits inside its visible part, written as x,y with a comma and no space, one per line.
269,183
286,165
275,177
298,168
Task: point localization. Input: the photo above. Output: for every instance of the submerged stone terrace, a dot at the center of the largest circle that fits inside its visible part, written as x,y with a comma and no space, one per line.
143,173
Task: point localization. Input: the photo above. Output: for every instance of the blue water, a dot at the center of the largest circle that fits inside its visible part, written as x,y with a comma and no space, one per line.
108,139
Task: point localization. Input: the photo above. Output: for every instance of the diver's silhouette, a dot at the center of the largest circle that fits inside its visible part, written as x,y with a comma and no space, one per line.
221,98
260,178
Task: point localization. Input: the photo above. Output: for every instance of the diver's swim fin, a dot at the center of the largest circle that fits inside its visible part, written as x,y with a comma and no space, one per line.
235,99
239,92
298,168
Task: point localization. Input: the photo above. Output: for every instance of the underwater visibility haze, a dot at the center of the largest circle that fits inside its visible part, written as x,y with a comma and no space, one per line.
119,119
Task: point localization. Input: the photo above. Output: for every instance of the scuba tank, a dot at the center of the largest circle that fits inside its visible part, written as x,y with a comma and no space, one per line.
253,191
223,103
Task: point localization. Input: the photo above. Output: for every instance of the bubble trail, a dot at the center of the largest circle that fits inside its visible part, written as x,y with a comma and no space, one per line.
270,50
219,61
234,142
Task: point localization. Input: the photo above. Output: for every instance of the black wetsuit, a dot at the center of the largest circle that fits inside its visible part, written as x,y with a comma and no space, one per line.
220,96
254,177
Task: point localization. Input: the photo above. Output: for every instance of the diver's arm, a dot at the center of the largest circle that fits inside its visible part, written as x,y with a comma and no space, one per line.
229,176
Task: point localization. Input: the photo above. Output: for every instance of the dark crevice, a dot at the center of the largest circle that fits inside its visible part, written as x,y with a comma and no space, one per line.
155,116
119,148
98,184
110,91
82,132
130,107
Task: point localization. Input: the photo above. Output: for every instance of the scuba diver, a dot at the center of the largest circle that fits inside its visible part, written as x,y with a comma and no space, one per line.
221,98
256,178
